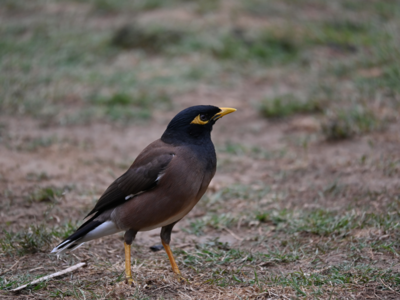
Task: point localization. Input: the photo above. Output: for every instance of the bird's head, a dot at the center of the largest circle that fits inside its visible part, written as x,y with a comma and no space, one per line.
194,123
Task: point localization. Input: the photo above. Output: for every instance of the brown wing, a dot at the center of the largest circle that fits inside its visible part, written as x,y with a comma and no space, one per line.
142,176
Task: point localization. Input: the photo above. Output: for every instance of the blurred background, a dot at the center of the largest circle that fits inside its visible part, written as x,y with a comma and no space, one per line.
75,62
308,167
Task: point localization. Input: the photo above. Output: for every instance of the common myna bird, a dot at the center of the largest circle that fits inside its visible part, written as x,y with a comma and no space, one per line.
162,185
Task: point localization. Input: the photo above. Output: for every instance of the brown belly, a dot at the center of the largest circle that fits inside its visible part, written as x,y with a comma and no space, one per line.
149,212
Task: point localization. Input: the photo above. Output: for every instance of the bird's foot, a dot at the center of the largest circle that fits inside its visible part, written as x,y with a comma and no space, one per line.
130,281
181,279
175,269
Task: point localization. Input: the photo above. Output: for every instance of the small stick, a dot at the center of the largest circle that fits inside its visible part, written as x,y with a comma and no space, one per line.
70,269
12,267
34,269
234,235
163,287
388,286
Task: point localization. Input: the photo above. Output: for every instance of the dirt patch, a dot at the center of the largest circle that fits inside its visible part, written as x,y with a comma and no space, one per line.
288,214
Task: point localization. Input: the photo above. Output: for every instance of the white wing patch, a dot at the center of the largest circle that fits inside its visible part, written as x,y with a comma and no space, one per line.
134,195
160,176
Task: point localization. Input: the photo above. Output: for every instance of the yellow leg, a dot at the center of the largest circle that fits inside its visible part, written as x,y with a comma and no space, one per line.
171,259
128,271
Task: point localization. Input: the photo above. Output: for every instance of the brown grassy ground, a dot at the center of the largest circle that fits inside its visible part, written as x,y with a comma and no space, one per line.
305,202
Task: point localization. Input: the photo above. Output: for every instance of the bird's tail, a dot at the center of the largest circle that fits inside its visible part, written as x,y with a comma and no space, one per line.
90,230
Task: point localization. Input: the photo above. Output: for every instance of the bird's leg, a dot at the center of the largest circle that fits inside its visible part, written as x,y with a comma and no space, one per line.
128,239
171,258
128,271
165,239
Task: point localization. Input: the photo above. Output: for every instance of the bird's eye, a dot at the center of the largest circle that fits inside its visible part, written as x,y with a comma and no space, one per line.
203,118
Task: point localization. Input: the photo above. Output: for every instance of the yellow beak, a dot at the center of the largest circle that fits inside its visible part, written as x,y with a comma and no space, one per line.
224,111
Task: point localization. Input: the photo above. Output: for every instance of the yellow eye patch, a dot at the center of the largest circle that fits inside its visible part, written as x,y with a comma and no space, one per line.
198,121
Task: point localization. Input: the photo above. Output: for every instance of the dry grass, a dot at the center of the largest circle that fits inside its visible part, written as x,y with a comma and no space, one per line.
305,202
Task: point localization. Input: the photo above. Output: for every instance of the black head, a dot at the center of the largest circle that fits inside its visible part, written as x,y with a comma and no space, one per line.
194,124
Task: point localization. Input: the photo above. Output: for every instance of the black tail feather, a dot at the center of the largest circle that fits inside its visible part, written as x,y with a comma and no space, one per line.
73,240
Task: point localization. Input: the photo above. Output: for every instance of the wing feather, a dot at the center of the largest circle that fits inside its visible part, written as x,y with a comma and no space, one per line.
142,176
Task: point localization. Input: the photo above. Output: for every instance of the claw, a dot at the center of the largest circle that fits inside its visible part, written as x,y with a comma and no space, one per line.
182,279
130,281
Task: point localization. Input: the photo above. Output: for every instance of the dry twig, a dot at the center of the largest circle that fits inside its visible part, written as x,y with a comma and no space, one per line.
10,269
234,235
68,270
